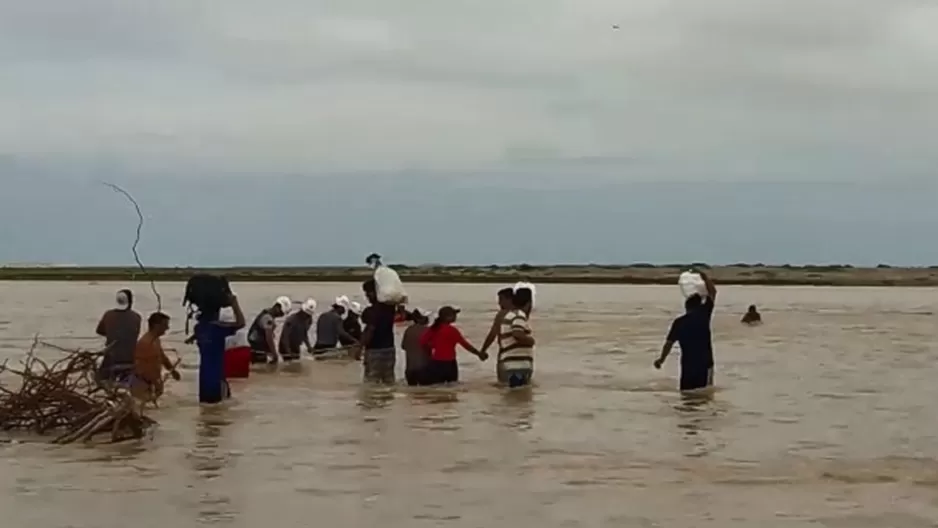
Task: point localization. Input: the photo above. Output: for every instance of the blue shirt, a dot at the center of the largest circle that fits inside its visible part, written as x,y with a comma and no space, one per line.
210,338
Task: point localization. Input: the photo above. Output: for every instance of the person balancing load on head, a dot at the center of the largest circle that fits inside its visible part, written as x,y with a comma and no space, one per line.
380,352
692,332
120,328
210,295
515,366
388,286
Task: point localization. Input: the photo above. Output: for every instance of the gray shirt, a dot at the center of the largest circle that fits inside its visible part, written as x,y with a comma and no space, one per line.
121,329
328,329
417,356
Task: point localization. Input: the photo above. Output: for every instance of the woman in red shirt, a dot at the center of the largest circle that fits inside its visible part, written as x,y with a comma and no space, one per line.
441,340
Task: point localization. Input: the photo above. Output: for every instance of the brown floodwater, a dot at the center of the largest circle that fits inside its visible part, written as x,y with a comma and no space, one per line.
824,416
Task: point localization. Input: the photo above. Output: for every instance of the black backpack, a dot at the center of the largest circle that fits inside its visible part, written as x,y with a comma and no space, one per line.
207,293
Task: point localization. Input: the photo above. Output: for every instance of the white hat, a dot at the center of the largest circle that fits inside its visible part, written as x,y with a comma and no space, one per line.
309,306
123,300
342,301
355,308
226,315
285,303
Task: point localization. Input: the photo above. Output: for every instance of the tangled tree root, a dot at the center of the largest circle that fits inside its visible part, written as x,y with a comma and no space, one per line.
64,399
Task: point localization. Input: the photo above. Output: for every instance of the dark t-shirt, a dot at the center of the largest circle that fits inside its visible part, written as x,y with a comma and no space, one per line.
381,317
121,330
295,332
691,331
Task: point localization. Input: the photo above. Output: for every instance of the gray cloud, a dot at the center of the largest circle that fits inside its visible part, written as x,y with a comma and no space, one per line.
726,86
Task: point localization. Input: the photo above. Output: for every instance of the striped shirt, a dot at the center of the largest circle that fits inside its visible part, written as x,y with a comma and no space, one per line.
508,346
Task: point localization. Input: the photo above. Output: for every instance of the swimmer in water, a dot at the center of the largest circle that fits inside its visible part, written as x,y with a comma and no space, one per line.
752,317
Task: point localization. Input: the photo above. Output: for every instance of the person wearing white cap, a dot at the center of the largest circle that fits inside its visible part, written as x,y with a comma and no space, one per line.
295,332
352,324
329,328
120,328
261,332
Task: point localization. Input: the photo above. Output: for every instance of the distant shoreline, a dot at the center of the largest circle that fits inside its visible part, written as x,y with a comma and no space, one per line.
738,274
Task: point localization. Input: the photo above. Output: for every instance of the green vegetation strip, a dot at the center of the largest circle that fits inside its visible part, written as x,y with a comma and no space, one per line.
741,274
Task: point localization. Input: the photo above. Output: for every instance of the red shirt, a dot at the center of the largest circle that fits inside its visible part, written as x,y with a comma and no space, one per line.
443,341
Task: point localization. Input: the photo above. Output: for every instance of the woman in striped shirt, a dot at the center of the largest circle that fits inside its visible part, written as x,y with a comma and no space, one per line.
516,342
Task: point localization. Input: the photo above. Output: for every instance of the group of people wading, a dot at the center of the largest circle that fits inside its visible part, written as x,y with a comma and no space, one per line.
430,349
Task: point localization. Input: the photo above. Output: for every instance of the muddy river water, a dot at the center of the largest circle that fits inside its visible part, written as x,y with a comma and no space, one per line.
825,416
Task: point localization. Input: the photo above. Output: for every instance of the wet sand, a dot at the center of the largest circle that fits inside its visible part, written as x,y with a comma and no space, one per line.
824,417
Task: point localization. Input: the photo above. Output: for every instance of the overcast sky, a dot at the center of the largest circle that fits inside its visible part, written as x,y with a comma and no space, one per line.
774,130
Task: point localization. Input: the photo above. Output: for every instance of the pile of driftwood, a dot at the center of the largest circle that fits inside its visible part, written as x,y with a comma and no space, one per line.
63,398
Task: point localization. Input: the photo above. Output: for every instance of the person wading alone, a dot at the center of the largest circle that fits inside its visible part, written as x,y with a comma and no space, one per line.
692,332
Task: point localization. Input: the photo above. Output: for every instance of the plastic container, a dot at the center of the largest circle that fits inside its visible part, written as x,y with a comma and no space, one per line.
692,284
237,356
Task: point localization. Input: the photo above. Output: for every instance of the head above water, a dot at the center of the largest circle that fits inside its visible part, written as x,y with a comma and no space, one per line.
125,299
281,306
420,316
522,298
158,323
752,309
693,302
447,314
370,289
506,298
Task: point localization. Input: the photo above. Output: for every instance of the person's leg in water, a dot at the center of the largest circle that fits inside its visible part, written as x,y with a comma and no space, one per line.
379,366
696,378
441,372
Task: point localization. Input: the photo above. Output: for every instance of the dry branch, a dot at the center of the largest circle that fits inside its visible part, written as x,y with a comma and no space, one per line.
62,397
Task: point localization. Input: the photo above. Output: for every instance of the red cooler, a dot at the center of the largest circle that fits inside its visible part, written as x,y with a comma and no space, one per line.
237,357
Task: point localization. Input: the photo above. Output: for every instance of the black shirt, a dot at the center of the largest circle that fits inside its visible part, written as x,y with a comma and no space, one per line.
692,332
380,316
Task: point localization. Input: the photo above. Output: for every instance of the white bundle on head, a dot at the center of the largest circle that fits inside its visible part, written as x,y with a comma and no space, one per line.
122,300
309,306
343,301
355,308
285,303
524,284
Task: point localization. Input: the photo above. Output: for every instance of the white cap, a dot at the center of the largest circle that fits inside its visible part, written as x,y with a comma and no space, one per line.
355,308
285,303
342,301
309,306
226,315
122,300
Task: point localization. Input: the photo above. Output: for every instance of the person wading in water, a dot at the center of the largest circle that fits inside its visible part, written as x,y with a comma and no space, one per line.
691,332
295,332
515,367
261,333
330,329
120,328
505,305
416,357
380,353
